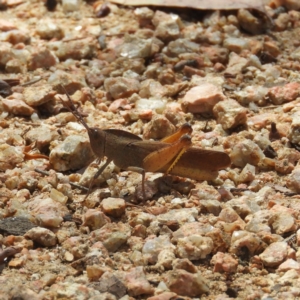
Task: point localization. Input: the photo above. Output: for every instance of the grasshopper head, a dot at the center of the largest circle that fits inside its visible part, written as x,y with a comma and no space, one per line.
97,140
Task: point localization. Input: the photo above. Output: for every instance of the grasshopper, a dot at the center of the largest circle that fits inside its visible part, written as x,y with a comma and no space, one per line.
172,155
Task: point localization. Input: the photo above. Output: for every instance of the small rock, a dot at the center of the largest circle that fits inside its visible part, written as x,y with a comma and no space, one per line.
17,106
150,105
194,247
180,46
48,212
94,219
236,64
158,128
42,136
167,26
112,235
120,87
230,114
42,236
152,88
134,47
249,22
235,44
224,262
73,153
241,239
165,258
252,94
41,58
48,30
184,264
289,264
181,216
202,98
10,156
71,5
153,247
274,254
246,152
286,93
293,181
76,246
282,222
293,133
137,283
114,207
247,174
163,296
76,49
35,96
186,284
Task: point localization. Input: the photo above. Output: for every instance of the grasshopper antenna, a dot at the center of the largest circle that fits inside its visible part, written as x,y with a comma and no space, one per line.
71,107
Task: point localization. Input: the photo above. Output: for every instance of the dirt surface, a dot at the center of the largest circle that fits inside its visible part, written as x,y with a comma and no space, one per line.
232,75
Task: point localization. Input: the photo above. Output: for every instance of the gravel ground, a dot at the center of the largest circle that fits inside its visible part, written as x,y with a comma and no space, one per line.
233,75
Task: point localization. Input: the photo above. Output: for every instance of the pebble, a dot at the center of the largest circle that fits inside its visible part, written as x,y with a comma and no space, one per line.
236,64
49,213
293,133
186,284
71,5
94,219
42,137
137,283
37,95
282,222
120,87
10,156
247,174
48,30
73,153
167,26
41,58
192,228
293,180
163,296
235,44
289,264
159,127
230,114
241,239
112,235
180,46
224,262
114,207
252,94
249,22
245,153
154,246
194,247
76,246
153,104
183,215
134,47
274,254
42,236
76,49
202,98
17,106
152,88
184,264
286,93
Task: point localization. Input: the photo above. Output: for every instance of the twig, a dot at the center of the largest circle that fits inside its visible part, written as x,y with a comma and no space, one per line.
71,183
32,81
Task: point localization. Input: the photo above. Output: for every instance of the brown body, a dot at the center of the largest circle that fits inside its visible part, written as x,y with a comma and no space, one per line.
173,155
